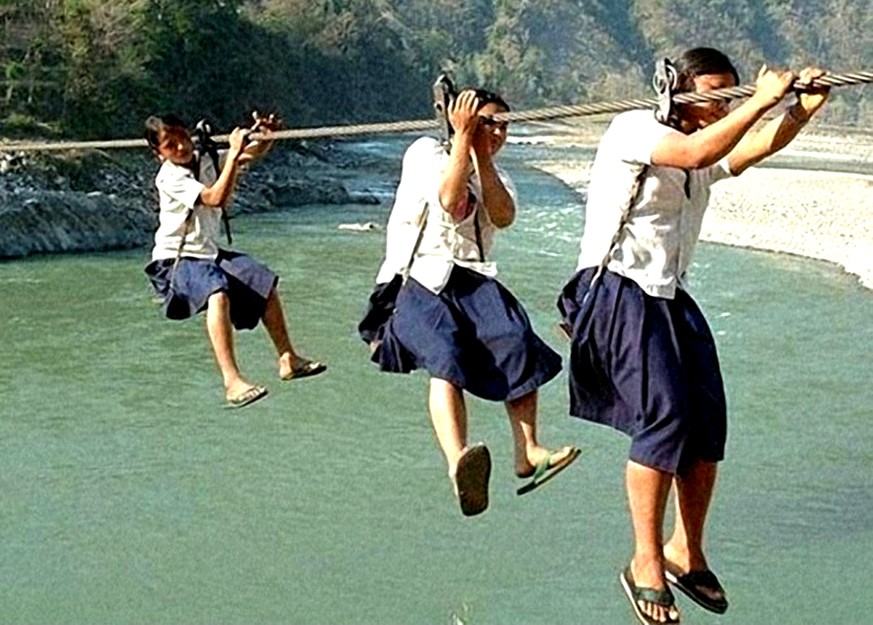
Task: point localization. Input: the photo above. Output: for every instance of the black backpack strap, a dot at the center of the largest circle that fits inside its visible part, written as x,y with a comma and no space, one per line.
478,229
212,150
203,132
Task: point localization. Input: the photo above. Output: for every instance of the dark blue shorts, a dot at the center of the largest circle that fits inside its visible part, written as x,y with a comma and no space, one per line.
646,366
247,283
474,334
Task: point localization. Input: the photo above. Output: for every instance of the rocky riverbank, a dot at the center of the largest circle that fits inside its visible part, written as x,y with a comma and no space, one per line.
98,201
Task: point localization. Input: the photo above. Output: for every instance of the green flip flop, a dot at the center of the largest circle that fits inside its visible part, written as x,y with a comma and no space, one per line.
546,469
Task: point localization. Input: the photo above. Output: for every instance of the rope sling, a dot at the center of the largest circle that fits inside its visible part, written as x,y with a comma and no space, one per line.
540,114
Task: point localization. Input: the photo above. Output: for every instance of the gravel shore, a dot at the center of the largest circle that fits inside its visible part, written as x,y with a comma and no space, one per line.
827,215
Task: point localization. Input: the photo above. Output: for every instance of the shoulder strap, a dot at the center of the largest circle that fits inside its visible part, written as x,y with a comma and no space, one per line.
189,217
478,229
424,214
212,150
625,217
203,135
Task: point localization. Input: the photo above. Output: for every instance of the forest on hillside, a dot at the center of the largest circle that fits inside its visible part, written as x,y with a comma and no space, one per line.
97,68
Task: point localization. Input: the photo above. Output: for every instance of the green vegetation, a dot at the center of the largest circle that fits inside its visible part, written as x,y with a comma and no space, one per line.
97,68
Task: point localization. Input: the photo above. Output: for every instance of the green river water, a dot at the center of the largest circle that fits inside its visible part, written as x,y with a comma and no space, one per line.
129,495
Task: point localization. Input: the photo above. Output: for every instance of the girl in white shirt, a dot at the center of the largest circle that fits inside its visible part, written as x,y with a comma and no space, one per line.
643,359
452,317
191,273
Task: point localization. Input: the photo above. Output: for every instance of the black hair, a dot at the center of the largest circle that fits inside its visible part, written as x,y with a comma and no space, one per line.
489,97
700,62
156,125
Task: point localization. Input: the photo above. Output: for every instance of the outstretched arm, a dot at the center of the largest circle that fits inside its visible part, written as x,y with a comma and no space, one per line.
779,132
709,145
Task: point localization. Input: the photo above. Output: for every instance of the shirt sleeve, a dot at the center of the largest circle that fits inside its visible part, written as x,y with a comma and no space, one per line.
419,185
423,166
719,171
180,186
635,135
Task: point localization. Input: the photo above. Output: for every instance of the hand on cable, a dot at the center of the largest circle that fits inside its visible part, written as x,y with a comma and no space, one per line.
809,99
772,85
238,138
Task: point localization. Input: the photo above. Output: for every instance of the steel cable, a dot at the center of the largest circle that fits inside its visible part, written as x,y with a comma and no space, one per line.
541,114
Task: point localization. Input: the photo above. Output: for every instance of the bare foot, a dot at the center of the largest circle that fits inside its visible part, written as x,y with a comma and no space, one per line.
295,367
652,576
237,389
287,362
680,562
525,467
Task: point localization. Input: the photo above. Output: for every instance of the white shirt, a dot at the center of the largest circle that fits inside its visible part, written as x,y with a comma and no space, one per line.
179,193
444,241
661,234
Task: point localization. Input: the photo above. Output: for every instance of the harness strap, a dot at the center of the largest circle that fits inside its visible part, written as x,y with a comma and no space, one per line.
478,229
405,273
225,217
203,132
188,219
625,217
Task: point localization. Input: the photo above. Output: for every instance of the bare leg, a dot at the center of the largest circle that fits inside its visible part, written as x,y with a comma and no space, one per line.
647,491
277,328
448,413
522,414
693,496
220,333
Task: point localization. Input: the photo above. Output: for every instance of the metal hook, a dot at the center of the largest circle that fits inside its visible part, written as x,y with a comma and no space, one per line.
664,82
443,94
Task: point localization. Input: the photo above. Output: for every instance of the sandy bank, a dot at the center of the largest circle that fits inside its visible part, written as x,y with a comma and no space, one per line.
819,214
824,215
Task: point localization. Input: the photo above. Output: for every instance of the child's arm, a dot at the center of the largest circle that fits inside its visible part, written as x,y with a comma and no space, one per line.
218,194
709,145
453,194
779,132
257,149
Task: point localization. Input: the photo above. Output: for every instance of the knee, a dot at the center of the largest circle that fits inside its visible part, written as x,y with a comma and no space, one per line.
438,385
529,399
273,301
444,391
219,301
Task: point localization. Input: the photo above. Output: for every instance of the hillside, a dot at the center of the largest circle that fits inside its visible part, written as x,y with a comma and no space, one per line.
97,68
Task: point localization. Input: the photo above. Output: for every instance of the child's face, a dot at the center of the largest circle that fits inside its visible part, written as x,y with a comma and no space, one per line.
176,146
496,131
698,116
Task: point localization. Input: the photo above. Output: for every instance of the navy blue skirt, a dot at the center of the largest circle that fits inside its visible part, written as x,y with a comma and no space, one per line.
474,334
646,366
247,283
380,306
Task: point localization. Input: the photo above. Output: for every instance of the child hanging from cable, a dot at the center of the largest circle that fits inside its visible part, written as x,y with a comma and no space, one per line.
643,359
191,273
452,317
